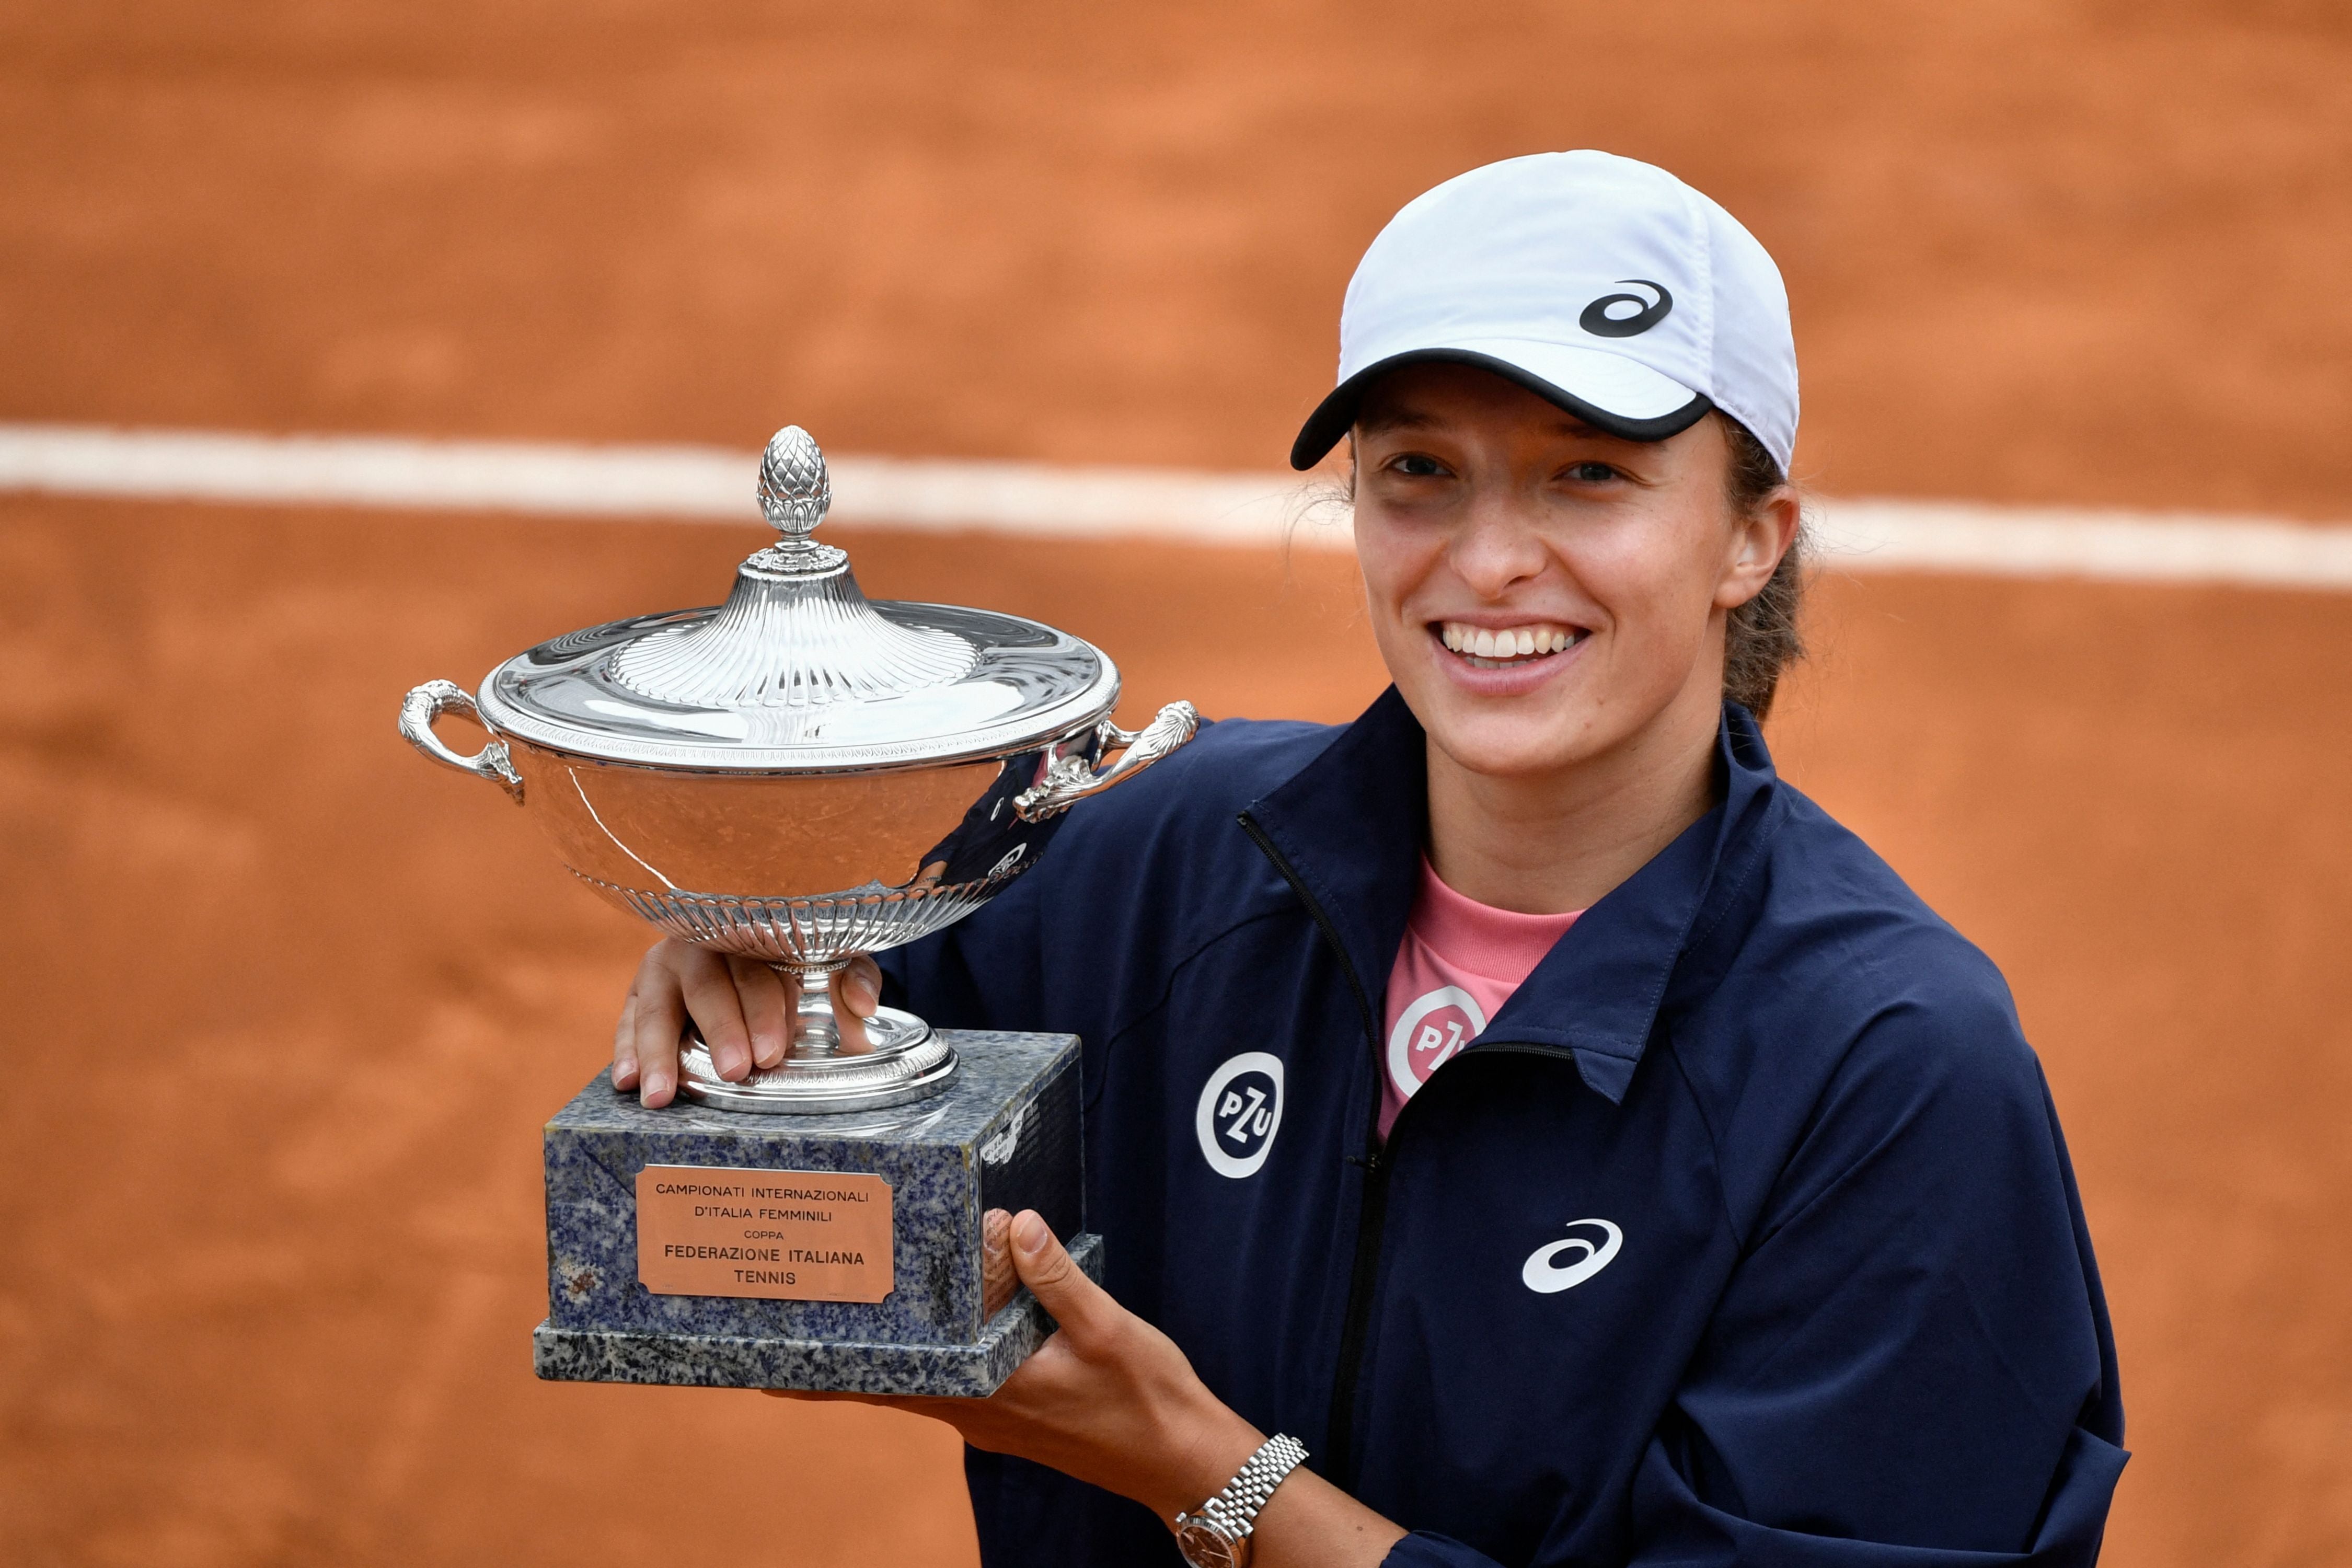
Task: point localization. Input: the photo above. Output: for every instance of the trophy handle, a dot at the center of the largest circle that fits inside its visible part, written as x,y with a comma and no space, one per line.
432,700
1068,778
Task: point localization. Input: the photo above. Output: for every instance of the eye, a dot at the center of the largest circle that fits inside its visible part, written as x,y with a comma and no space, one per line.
1418,465
1592,473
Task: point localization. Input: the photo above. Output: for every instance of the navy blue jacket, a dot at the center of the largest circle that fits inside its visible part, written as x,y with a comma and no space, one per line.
1744,1234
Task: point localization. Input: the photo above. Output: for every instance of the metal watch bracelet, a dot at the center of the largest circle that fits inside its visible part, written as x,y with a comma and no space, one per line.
1217,1534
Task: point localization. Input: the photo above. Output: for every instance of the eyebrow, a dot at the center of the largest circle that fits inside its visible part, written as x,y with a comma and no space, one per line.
1394,419
1417,420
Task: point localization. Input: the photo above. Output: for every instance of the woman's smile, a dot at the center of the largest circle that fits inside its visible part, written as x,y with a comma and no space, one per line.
1492,646
1504,660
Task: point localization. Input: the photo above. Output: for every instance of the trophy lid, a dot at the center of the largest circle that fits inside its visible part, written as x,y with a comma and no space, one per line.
798,670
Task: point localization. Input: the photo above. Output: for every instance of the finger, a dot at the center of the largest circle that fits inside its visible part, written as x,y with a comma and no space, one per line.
861,983
655,1022
1083,1308
761,991
997,1278
717,1008
849,1017
625,1043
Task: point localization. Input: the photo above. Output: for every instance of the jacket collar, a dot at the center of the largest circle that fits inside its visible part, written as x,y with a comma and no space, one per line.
1350,826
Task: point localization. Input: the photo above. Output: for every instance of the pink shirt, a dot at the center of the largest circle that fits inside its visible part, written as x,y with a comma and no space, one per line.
1459,962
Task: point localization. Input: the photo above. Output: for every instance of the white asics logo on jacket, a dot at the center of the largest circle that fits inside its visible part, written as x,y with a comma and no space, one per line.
1562,1265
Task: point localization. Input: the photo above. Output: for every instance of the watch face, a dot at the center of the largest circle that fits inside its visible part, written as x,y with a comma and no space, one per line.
1205,1546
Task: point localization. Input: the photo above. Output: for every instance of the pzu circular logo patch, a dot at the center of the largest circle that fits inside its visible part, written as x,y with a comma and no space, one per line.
1432,1030
1240,1110
1626,315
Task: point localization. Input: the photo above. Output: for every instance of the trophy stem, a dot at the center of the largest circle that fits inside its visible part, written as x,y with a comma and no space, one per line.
815,1030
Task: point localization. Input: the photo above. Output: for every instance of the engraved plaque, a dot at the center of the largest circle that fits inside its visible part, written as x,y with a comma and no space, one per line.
791,1235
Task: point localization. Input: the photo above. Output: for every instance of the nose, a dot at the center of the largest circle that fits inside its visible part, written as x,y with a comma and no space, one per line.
1498,546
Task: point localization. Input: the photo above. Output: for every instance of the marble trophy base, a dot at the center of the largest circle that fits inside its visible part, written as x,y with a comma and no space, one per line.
1004,1134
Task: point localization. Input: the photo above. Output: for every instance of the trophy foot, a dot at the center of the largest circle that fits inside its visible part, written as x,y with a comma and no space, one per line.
907,1062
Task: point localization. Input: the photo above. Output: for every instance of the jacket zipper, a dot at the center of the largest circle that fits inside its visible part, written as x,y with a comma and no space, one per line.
1339,1443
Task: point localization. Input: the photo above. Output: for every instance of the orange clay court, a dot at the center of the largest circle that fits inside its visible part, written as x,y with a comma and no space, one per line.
287,1007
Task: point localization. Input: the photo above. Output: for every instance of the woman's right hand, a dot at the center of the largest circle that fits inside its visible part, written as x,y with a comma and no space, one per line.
743,1009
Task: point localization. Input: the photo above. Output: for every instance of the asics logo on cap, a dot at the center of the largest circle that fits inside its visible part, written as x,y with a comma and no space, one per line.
1601,323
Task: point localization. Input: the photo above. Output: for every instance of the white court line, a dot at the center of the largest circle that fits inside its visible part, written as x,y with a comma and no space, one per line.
1050,501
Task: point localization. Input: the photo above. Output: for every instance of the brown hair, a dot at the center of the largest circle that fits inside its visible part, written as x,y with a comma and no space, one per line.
1760,638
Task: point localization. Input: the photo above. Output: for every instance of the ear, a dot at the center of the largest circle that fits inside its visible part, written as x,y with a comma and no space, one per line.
1757,542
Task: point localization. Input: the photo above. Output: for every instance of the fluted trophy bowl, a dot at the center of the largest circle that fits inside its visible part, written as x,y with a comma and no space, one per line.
801,774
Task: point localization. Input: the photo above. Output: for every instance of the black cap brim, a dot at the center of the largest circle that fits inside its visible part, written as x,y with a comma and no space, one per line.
1334,415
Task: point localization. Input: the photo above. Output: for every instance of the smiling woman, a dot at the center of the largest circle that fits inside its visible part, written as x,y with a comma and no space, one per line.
1487,515
1523,1129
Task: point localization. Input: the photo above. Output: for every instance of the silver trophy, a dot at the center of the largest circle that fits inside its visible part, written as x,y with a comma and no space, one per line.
802,774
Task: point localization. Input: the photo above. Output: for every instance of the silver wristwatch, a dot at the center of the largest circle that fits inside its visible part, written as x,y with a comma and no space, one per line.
1217,1535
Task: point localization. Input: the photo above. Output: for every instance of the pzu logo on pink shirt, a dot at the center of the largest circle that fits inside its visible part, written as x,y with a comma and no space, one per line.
1432,1027
1459,962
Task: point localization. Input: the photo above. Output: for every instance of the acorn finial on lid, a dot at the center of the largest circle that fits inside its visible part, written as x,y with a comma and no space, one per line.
795,492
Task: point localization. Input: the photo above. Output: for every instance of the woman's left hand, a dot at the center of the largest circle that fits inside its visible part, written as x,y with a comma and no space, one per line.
1109,1398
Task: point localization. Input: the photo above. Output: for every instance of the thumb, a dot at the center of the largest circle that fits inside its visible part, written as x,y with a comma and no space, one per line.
1078,1304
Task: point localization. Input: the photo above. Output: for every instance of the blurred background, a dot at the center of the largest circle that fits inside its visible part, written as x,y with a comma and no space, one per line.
286,1006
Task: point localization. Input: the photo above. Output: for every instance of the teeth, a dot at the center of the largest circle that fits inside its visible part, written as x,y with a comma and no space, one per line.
1481,644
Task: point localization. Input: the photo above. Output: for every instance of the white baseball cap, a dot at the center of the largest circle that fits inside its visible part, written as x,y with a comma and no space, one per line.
1605,285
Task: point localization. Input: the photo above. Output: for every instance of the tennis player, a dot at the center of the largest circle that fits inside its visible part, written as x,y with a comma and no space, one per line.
1523,1129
